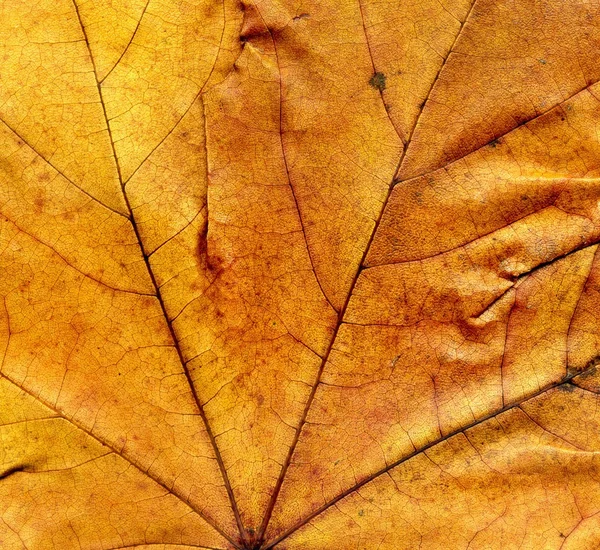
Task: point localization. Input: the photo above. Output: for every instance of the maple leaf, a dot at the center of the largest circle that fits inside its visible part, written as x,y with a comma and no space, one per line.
305,275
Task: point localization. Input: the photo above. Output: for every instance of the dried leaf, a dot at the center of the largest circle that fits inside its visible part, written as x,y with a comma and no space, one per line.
285,275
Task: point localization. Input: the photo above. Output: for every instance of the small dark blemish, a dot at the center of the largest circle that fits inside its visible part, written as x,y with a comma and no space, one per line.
301,16
214,264
377,81
542,61
361,513
494,143
252,543
39,204
567,387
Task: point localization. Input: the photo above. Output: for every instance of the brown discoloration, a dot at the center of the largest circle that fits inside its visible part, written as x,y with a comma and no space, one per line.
378,81
39,204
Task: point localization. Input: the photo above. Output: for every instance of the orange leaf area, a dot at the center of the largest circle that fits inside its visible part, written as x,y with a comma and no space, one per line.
301,275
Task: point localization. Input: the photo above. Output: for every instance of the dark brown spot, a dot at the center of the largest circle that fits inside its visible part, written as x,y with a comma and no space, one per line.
39,204
377,81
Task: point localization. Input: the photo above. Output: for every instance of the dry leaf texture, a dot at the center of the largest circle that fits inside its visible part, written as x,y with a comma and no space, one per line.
299,275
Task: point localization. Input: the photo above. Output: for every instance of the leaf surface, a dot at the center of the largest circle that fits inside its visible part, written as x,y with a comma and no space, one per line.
299,275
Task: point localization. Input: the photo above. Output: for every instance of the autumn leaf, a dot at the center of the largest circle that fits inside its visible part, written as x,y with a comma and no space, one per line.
299,275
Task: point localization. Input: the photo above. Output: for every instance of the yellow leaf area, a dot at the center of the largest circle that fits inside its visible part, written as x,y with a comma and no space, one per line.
299,275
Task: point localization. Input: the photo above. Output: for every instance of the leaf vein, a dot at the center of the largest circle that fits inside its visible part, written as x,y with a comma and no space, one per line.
565,380
164,310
